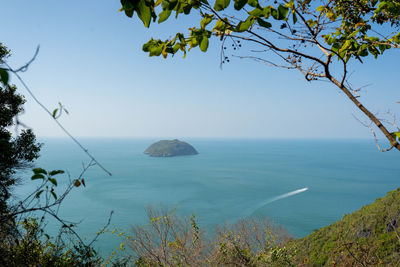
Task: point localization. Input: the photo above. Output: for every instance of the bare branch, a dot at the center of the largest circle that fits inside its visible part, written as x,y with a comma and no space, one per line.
15,72
369,126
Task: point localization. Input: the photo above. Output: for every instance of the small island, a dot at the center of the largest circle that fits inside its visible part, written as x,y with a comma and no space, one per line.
170,148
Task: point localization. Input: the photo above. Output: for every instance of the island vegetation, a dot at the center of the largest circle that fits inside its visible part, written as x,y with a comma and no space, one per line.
170,148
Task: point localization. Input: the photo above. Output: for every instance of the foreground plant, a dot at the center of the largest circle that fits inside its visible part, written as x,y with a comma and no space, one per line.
23,241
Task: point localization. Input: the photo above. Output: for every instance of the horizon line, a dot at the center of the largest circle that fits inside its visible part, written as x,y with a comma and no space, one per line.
210,137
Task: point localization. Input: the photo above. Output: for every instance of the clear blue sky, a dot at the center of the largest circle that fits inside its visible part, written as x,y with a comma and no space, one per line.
91,61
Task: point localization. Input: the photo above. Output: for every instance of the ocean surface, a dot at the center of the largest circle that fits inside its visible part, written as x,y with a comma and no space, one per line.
230,179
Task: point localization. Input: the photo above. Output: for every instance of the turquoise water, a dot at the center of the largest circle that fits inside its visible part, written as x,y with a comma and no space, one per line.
225,182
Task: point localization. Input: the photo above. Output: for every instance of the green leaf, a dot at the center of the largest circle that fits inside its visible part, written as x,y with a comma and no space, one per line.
156,50
373,51
268,11
346,45
38,193
204,44
169,4
126,4
396,38
37,176
397,134
239,4
331,15
244,25
154,47
55,113
256,12
362,51
181,38
53,181
39,170
175,48
206,20
311,23
253,3
4,76
144,12
127,7
186,9
54,194
129,13
282,12
221,4
178,9
146,46
193,42
274,13
264,23
55,172
294,17
220,25
164,15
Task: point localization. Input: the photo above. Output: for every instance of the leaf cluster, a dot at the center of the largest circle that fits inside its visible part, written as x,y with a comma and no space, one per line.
199,36
358,24
347,27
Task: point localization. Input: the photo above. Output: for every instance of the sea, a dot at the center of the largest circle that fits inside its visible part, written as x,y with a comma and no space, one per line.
299,184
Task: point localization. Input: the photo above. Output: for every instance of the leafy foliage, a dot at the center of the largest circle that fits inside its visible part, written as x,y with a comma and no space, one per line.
16,152
354,22
36,248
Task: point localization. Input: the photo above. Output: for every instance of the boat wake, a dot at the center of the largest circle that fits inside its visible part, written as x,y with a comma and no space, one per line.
268,201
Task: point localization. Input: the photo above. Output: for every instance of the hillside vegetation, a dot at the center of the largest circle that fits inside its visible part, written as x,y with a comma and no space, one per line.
369,236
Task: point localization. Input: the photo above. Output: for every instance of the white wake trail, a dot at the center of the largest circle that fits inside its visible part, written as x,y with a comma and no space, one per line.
295,192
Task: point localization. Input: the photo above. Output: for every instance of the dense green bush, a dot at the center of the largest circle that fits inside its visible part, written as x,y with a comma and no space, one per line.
35,248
